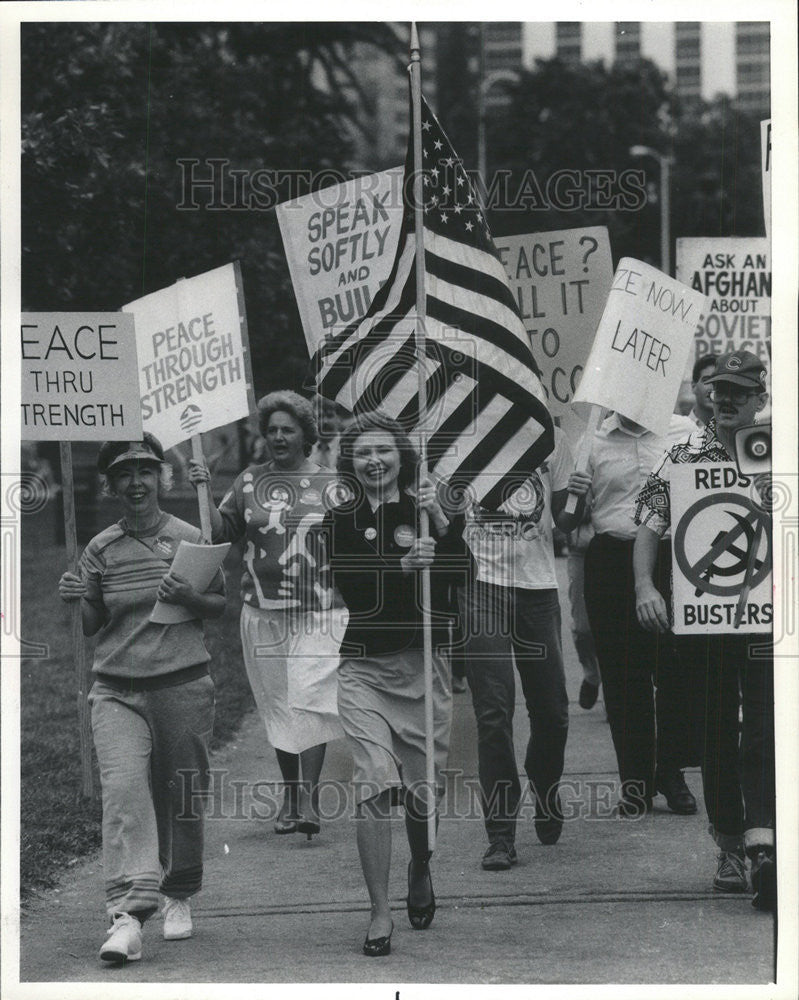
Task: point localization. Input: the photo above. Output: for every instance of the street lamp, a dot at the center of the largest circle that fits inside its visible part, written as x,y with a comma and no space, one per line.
665,163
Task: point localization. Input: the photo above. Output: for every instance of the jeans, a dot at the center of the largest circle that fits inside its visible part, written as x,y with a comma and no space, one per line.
633,662
503,624
737,775
152,749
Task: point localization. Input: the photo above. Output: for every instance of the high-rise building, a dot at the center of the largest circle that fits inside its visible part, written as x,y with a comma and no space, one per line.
628,42
752,66
381,139
502,57
569,41
688,61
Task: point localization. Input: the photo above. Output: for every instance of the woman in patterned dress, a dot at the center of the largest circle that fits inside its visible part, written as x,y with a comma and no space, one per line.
290,635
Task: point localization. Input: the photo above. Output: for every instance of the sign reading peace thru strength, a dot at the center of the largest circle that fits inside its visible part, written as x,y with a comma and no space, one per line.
79,377
722,548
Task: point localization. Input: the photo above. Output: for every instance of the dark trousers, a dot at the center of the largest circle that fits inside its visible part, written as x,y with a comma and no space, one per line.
737,773
647,731
503,624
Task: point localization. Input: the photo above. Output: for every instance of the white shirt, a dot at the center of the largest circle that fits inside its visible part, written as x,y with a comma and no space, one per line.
619,464
513,548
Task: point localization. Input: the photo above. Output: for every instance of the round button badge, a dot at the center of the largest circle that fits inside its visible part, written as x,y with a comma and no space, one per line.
404,535
370,534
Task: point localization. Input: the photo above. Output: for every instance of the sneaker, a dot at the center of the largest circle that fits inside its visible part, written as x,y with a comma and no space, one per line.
678,795
499,857
588,695
177,919
124,940
764,880
730,873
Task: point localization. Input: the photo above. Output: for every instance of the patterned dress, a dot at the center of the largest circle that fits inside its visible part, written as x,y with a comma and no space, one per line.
290,631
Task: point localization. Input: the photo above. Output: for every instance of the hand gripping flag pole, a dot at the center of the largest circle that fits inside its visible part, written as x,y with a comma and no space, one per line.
424,526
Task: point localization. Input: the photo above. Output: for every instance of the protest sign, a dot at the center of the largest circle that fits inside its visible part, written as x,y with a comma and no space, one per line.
78,384
642,344
560,281
765,163
79,377
735,275
194,357
340,243
721,543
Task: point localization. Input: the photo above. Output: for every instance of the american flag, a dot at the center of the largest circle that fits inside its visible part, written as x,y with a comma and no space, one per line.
486,424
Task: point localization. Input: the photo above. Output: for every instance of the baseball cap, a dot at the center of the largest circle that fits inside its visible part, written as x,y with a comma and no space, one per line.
740,368
113,453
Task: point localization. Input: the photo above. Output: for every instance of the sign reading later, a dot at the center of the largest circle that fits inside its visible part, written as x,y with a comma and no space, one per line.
642,345
79,377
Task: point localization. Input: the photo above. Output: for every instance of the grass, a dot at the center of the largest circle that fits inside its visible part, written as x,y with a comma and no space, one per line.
59,826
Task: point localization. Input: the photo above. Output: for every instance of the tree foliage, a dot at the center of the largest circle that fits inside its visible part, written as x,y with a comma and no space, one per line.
586,117
108,110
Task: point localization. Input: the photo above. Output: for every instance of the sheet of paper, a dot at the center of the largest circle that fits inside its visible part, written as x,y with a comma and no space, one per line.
197,564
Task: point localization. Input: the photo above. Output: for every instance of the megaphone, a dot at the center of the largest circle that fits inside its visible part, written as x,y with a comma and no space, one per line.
753,449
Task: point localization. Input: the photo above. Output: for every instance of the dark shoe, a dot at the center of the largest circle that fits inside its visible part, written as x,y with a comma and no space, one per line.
499,857
764,880
730,873
377,947
308,820
588,695
421,916
285,822
678,795
549,822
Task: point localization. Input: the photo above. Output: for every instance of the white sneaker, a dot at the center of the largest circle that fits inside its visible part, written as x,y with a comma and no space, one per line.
177,919
124,940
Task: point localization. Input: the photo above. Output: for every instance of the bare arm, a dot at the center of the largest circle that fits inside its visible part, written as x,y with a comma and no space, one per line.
198,473
579,484
653,615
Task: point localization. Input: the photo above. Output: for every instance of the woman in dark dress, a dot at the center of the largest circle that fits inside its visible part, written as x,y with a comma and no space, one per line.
374,555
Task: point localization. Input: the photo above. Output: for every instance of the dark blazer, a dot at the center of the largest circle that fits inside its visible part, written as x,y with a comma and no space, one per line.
364,549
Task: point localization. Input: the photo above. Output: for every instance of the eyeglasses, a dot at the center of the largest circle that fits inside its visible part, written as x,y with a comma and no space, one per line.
738,394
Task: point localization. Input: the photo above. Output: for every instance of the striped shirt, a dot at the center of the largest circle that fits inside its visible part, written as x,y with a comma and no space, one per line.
122,573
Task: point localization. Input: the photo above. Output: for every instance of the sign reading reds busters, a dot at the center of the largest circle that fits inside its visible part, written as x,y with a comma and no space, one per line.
721,542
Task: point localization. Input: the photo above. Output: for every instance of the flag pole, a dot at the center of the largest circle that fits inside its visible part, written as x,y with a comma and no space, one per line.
424,527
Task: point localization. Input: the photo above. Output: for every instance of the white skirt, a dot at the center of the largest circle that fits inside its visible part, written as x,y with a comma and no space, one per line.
292,661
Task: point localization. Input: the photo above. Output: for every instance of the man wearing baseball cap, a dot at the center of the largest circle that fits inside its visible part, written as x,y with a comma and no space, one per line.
731,670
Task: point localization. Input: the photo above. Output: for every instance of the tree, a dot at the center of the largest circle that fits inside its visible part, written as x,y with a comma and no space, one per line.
109,110
585,118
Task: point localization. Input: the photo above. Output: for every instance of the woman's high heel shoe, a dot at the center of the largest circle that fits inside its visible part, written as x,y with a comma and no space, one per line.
285,822
421,917
308,821
377,947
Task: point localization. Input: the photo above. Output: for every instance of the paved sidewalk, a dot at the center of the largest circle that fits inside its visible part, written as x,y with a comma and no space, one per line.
615,901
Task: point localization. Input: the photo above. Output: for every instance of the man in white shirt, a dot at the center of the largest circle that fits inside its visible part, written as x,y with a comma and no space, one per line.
632,660
511,613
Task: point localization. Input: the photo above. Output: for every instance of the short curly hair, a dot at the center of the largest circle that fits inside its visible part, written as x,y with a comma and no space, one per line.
377,421
286,401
